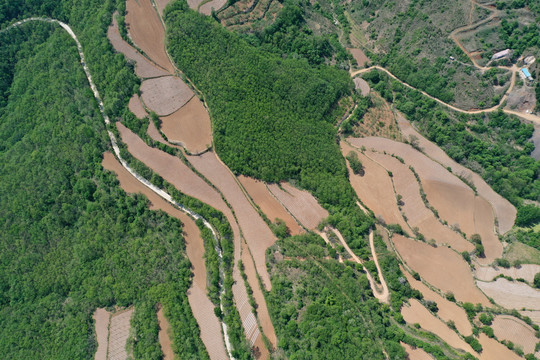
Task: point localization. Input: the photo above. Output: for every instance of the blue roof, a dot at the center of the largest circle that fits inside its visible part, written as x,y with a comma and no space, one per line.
526,72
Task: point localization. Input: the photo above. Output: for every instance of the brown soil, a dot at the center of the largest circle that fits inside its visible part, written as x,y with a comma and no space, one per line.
504,210
484,222
202,307
260,194
102,318
414,208
509,328
416,354
136,107
206,9
301,204
360,57
172,169
442,268
154,134
143,67
165,95
146,30
527,272
190,126
493,350
161,5
417,313
258,235
533,315
164,338
262,309
447,309
511,295
362,85
194,4
375,189
118,335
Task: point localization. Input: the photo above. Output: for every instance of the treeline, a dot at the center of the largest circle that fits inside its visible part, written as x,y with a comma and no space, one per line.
71,239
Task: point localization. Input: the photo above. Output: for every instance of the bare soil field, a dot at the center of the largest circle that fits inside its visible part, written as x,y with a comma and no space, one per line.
260,194
206,9
487,273
447,309
509,328
161,5
505,212
258,235
202,307
533,315
136,107
102,318
143,67
442,268
118,334
493,350
417,313
146,30
165,95
190,126
414,208
416,354
163,335
302,205
359,56
375,189
194,4
485,223
172,169
362,85
511,295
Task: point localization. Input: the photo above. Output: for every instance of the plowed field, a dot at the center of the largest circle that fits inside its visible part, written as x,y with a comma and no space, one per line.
493,350
136,107
527,272
165,95
515,330
164,338
206,9
512,295
102,318
118,335
416,354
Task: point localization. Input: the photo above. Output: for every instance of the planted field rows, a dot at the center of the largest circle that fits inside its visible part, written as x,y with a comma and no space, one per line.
165,95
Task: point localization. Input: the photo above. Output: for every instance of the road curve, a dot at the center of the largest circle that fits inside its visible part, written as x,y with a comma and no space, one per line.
116,149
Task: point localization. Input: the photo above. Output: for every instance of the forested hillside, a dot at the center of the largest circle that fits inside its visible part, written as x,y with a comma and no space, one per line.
71,240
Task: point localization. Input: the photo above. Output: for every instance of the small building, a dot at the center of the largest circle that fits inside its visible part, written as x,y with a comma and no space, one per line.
526,74
502,54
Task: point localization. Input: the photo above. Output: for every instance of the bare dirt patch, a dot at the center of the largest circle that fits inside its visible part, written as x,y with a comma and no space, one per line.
194,4
161,5
258,235
118,334
302,205
136,107
493,350
146,30
165,95
362,85
417,313
447,309
189,126
260,194
359,56
487,273
416,354
102,318
442,268
504,210
143,67
511,295
206,9
522,99
484,223
375,189
533,315
509,328
164,338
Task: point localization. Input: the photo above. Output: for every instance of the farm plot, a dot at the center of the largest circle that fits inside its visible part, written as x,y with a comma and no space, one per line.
207,8
362,85
102,318
505,212
417,313
359,56
300,203
414,209
511,295
143,67
136,107
118,335
447,309
442,268
494,350
165,95
533,315
375,189
260,194
512,329
202,307
488,273
258,235
147,32
163,335
417,353
189,126
160,4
